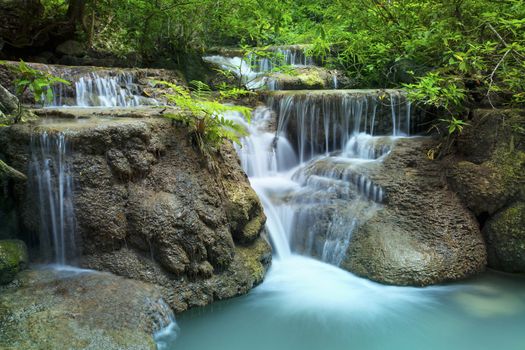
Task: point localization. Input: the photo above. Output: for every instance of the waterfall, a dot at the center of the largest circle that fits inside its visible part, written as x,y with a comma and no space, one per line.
96,90
241,69
290,56
312,172
51,179
322,122
253,70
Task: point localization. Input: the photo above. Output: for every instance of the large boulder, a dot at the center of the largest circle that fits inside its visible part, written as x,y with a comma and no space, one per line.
48,309
423,234
505,234
13,258
149,208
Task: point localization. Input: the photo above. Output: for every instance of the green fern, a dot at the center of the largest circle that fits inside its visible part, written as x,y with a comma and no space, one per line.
205,117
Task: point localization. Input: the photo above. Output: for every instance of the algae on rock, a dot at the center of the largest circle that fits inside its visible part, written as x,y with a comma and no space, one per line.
13,259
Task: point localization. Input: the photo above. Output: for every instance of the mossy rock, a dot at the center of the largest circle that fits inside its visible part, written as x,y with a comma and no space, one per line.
13,258
491,172
309,78
505,235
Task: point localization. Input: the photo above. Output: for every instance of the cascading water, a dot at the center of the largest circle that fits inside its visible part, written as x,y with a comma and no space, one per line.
51,179
253,71
321,122
291,56
115,91
95,90
315,200
312,176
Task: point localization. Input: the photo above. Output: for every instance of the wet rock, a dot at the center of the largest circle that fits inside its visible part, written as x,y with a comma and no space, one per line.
13,258
505,235
49,309
424,234
148,208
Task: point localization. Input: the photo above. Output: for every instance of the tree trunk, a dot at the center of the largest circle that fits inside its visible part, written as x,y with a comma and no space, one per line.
75,11
6,172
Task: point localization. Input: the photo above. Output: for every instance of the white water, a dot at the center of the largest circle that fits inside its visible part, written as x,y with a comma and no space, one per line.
95,90
51,178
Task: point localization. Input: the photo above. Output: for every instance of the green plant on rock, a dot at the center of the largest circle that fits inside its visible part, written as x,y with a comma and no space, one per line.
29,79
443,95
205,117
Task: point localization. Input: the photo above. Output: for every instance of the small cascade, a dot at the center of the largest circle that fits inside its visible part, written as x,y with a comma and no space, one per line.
165,327
290,56
254,71
95,90
242,70
320,122
367,147
314,172
113,91
51,179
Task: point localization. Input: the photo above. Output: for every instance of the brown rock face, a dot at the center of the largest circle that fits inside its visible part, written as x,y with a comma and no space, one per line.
423,235
489,176
148,208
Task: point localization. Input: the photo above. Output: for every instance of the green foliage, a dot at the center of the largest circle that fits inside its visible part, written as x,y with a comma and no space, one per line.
378,43
38,82
454,125
437,91
205,117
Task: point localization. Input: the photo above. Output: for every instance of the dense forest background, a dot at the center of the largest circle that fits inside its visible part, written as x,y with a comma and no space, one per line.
449,49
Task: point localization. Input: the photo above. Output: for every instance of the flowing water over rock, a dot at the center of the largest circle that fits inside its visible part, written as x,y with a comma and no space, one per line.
101,90
256,71
52,182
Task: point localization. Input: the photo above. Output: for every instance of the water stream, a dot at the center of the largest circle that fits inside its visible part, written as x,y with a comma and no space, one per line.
52,181
314,197
101,90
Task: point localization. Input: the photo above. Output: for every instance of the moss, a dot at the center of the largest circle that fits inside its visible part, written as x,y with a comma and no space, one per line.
253,228
312,79
506,236
13,258
244,212
256,258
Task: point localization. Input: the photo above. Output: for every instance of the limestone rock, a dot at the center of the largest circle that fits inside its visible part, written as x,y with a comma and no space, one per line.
148,208
13,258
482,187
505,234
489,176
423,235
48,309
